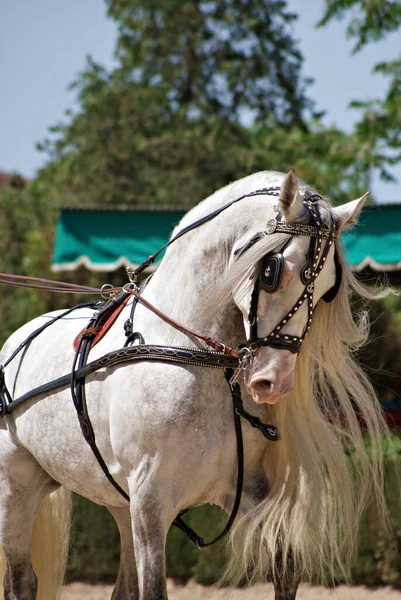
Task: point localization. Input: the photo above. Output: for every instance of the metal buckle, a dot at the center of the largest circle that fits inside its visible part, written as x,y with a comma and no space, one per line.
245,360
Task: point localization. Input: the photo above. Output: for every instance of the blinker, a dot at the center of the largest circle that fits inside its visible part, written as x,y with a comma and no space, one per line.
271,272
333,291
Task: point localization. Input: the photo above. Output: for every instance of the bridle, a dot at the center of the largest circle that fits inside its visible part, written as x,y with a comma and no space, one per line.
271,273
269,278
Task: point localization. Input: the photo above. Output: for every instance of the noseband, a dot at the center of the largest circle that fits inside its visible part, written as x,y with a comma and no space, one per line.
272,268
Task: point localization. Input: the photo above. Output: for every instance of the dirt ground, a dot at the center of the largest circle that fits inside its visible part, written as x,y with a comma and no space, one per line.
193,591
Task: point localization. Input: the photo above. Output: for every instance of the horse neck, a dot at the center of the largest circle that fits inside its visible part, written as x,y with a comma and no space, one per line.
198,261
185,280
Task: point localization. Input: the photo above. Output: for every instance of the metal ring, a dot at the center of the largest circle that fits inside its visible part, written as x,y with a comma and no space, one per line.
245,358
103,291
129,287
245,352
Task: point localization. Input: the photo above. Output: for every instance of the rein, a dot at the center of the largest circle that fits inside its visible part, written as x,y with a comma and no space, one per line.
50,285
217,346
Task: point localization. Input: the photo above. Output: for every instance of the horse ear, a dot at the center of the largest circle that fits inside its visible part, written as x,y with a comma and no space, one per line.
291,204
347,214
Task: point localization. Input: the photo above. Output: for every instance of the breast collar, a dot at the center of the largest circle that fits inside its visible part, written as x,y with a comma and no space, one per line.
271,271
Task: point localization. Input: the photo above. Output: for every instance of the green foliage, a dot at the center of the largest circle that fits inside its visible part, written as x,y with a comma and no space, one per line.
167,125
214,57
95,543
183,558
378,560
381,357
380,126
393,304
379,130
182,166
370,21
23,213
204,93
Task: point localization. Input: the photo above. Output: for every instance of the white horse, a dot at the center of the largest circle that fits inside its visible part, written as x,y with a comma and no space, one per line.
166,431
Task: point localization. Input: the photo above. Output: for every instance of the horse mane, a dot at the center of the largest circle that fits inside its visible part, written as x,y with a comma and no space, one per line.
321,475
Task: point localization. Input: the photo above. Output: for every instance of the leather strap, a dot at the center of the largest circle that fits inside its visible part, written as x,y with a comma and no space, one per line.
217,346
165,354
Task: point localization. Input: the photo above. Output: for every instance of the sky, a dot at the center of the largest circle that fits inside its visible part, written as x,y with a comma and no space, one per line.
44,44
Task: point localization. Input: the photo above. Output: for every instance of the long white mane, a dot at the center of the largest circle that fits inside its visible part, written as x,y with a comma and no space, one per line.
321,476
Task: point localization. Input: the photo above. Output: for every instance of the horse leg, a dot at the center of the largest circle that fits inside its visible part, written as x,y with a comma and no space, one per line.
23,486
287,579
284,573
150,522
127,581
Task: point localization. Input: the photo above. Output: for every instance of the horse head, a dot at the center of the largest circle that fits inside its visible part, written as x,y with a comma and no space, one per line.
280,294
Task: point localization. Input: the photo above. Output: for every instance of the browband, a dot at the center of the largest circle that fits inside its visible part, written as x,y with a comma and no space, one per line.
274,226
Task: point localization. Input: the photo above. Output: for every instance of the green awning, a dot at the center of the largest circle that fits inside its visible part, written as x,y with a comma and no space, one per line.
103,239
375,242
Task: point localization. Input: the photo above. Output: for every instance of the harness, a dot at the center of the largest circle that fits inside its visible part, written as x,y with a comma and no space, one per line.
221,356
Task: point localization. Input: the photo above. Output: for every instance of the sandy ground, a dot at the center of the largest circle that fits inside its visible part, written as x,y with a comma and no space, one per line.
193,591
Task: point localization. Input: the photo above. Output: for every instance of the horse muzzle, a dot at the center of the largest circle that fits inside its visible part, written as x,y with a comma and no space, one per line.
270,377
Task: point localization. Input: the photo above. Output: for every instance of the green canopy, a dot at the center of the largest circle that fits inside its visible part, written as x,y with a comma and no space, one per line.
103,240
376,241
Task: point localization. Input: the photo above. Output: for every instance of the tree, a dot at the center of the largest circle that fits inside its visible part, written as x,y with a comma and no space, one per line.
216,57
379,129
168,124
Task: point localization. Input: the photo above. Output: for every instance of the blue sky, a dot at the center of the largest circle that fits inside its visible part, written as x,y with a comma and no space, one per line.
43,45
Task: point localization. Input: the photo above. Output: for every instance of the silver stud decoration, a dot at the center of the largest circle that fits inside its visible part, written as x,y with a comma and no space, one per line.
271,226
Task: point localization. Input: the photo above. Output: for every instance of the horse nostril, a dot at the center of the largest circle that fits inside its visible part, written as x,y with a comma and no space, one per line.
263,387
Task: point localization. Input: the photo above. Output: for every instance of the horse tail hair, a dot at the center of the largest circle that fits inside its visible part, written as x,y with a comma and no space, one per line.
50,543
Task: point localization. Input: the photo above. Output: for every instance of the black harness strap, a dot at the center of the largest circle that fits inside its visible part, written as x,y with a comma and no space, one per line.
131,335
38,331
79,399
166,354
